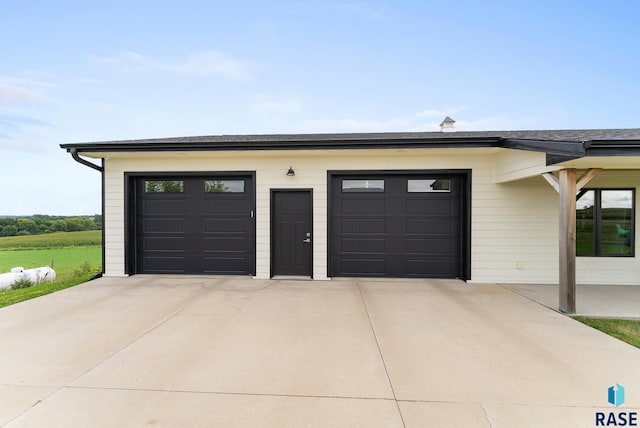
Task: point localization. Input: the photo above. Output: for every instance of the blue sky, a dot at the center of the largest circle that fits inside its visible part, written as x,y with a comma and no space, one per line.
75,71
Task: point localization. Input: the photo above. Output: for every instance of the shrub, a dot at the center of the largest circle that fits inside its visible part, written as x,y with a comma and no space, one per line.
84,269
23,282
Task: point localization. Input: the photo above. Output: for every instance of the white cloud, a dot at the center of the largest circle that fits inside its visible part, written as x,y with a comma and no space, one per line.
205,63
122,59
497,123
268,104
14,95
211,63
20,132
424,120
125,62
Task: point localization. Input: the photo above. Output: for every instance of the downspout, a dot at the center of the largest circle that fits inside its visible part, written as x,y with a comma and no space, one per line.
77,158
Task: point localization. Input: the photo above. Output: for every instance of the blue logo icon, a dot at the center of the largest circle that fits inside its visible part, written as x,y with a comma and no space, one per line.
616,395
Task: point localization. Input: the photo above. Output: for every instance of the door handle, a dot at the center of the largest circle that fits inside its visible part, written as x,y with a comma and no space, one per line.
307,241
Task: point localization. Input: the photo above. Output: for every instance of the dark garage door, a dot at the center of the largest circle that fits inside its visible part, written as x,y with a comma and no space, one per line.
194,225
396,226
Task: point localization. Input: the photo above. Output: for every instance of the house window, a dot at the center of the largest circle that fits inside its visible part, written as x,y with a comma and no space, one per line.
163,186
605,222
224,186
363,185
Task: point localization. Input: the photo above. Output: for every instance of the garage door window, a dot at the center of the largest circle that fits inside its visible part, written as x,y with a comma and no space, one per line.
224,186
163,186
363,185
429,186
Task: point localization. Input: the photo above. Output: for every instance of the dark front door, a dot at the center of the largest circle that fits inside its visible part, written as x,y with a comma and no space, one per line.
291,240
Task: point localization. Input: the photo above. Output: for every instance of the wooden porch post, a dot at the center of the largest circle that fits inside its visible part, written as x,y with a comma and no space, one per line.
567,288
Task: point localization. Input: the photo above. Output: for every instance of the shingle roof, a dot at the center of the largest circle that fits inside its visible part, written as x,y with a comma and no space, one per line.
559,145
575,135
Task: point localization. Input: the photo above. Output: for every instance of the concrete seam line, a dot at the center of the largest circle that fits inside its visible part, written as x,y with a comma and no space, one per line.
247,394
68,384
134,340
511,290
486,415
384,364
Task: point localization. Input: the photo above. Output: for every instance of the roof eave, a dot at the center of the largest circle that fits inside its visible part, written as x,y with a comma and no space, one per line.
330,144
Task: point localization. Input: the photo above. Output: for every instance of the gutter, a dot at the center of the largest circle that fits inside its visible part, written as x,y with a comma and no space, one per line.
331,143
77,158
556,151
576,149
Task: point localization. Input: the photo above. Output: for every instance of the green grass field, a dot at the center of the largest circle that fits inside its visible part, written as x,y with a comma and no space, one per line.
65,259
625,330
76,256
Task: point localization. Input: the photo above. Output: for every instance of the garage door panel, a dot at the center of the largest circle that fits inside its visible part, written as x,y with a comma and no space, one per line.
224,265
194,231
359,245
226,225
363,267
427,268
431,245
363,206
163,225
163,207
225,244
164,264
430,206
362,225
398,231
163,244
433,226
224,206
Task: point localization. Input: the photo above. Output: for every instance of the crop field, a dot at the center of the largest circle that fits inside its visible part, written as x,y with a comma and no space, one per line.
52,240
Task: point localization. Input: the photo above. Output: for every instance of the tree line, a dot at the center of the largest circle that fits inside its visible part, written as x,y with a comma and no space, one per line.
39,224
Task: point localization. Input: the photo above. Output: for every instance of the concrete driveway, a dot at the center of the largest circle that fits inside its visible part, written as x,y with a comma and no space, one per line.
208,352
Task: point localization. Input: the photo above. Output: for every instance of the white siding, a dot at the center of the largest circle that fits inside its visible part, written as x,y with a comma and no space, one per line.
511,165
113,220
514,224
515,232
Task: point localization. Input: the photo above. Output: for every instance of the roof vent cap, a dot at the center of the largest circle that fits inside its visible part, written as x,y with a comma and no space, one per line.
448,125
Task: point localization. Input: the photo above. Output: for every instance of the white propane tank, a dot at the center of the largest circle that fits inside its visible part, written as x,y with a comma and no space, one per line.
36,276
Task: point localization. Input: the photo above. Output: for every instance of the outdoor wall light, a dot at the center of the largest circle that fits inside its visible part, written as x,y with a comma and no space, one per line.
291,172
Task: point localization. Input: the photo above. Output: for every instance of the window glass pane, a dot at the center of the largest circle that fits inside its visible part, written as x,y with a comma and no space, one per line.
616,222
224,186
363,185
584,224
428,186
163,186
